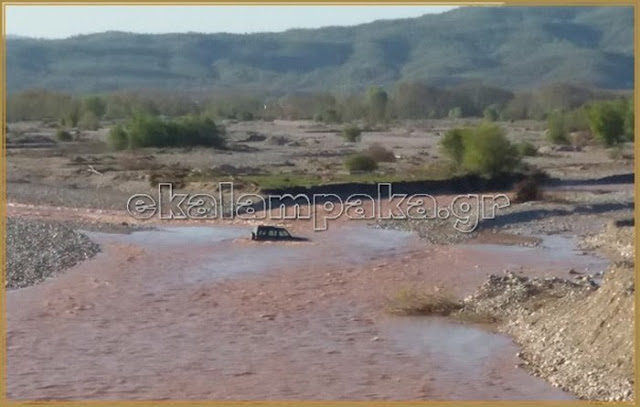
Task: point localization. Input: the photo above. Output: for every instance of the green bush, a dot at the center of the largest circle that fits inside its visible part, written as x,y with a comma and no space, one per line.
576,120
526,149
452,144
491,114
332,116
329,116
360,162
63,135
118,138
149,131
377,101
89,121
607,121
352,134
96,105
488,152
455,113
482,149
380,154
629,121
246,116
556,129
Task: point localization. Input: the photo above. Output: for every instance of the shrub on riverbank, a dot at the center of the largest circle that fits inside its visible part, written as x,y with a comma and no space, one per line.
63,135
380,154
611,122
352,134
150,131
526,149
483,149
360,163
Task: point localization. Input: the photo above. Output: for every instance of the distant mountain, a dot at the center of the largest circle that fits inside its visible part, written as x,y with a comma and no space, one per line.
512,47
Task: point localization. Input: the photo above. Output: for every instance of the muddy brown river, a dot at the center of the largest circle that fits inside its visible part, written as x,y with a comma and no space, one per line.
204,313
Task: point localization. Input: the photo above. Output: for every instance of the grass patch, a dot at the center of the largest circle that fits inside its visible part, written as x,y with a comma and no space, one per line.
360,163
433,172
414,302
278,181
289,180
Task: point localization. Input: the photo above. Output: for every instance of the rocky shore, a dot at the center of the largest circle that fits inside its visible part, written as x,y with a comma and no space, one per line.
575,333
38,249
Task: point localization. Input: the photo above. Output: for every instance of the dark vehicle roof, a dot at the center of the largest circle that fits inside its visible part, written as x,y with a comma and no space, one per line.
270,227
263,233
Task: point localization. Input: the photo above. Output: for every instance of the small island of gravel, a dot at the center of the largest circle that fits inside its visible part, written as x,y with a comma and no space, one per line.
38,249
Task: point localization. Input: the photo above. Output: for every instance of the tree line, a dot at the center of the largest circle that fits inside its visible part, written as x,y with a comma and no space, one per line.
406,100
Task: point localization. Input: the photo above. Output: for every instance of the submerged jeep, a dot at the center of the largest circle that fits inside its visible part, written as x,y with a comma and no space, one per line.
274,233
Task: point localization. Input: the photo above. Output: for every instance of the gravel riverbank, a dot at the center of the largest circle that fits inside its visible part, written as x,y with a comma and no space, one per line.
577,213
37,250
575,334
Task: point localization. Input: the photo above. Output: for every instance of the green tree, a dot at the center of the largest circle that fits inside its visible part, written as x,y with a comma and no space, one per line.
118,138
452,144
71,115
629,121
96,105
455,113
89,121
488,152
483,149
607,121
556,129
377,100
491,114
332,116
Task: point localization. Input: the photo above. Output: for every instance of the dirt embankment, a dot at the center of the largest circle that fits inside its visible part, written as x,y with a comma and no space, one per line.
576,335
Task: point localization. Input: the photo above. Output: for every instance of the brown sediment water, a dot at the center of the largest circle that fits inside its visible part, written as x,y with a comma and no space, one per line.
205,313
465,362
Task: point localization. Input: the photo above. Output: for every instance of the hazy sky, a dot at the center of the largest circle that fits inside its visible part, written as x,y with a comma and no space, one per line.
63,21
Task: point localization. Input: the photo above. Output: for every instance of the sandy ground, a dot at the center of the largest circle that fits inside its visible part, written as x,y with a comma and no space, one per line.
60,174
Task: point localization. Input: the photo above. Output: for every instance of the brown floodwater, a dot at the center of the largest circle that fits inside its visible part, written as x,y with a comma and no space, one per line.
205,313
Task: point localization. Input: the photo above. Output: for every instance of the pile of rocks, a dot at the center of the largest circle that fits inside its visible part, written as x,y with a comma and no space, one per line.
616,242
576,334
37,250
509,294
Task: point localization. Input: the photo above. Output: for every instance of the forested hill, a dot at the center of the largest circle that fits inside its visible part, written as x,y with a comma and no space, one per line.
515,47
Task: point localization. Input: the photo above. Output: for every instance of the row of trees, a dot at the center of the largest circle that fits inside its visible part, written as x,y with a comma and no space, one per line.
408,100
610,122
481,149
